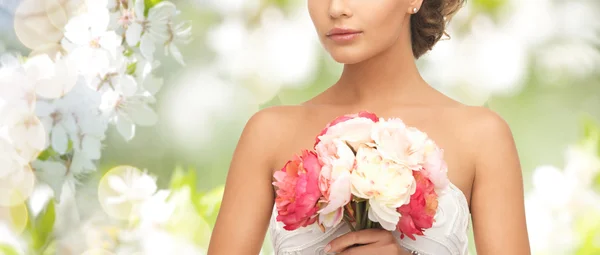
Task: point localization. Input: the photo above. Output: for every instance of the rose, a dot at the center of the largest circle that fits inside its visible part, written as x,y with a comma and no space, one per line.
419,213
334,181
384,183
298,191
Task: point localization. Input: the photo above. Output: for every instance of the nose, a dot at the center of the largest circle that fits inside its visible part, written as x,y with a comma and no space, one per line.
339,9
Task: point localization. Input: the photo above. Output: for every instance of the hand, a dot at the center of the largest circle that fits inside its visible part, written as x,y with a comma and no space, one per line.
371,242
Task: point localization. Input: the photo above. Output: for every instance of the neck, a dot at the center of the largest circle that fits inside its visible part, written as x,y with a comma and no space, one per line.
391,75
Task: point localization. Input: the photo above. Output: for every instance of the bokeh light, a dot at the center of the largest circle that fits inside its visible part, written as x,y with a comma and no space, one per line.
15,217
122,189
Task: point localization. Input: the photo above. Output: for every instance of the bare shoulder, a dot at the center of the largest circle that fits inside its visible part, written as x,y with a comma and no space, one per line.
269,126
269,121
485,126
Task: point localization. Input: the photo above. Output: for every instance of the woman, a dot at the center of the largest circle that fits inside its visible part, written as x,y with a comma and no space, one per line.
378,42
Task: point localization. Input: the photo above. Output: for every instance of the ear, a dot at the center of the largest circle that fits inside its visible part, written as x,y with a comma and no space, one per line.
412,4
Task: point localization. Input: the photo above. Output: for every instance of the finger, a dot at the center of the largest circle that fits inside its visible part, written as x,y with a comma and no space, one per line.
368,249
372,249
366,236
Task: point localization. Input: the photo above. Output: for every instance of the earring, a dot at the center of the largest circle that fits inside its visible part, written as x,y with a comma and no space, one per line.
415,10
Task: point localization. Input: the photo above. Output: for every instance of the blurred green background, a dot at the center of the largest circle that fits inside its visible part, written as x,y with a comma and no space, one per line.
535,62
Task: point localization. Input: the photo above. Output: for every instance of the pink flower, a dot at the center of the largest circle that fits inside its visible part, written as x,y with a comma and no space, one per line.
352,128
418,214
298,191
334,181
435,168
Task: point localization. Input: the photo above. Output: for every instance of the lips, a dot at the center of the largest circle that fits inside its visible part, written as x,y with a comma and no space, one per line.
342,31
343,35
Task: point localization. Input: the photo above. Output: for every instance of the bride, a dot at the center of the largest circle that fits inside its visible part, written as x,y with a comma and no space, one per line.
378,42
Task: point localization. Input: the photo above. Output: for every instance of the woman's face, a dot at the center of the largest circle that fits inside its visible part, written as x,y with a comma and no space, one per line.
355,30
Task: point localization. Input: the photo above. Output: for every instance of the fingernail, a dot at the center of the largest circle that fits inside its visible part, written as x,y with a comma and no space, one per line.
327,248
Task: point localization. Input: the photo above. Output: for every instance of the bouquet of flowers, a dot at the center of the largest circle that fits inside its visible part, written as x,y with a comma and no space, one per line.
367,171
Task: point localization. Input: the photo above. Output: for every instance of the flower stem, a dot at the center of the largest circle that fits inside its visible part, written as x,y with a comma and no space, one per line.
347,220
358,213
365,220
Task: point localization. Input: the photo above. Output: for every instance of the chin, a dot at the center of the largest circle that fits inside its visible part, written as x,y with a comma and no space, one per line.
348,57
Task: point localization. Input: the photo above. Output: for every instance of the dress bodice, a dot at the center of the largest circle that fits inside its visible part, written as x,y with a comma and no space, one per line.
447,236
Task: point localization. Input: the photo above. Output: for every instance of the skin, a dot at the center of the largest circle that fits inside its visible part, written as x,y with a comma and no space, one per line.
379,75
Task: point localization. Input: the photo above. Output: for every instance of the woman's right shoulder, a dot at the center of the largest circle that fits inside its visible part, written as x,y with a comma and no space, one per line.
274,119
272,125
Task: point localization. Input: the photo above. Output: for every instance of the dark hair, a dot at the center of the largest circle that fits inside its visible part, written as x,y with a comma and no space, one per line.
428,25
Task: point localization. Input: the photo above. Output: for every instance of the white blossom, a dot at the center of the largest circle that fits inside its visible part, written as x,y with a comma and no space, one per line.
90,44
158,27
52,79
130,186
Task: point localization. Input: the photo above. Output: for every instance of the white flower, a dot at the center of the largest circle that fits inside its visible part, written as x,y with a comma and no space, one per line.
89,43
132,186
401,144
157,210
178,33
28,135
151,30
334,179
178,216
52,80
16,88
53,173
126,110
157,28
59,123
10,160
87,143
385,184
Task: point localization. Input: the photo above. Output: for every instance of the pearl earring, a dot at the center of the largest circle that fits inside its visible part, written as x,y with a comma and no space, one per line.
415,10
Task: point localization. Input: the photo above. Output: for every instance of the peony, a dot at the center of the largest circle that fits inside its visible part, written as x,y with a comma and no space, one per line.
386,184
352,128
434,166
334,181
298,191
399,143
419,213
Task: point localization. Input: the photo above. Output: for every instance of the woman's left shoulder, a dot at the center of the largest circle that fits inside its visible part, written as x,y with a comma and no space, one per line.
482,122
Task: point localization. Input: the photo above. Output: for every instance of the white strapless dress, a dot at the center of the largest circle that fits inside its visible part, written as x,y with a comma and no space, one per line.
448,236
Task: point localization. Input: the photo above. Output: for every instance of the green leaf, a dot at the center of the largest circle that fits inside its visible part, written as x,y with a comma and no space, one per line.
47,153
181,178
131,68
149,4
5,249
44,223
70,145
50,249
128,52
